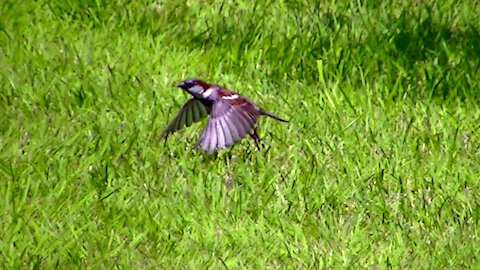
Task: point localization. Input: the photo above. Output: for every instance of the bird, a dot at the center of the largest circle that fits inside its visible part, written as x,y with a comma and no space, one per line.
231,116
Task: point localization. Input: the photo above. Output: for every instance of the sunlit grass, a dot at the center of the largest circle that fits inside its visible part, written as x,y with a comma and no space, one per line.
378,166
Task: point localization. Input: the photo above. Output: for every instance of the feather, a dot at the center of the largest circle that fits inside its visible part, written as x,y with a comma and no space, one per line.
221,135
226,131
191,112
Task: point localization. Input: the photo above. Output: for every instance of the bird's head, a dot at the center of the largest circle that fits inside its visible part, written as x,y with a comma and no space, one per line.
195,87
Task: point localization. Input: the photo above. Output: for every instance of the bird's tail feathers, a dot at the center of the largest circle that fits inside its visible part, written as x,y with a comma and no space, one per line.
273,116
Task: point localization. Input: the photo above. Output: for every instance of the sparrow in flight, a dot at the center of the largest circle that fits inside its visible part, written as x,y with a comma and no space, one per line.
232,116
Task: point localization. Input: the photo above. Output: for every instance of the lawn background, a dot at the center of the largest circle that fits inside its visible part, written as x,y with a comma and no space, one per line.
377,168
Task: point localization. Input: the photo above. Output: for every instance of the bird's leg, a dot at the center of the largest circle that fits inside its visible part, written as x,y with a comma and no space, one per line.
165,142
256,139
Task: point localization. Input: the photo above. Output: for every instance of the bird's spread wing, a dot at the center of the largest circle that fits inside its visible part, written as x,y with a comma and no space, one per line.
193,111
230,120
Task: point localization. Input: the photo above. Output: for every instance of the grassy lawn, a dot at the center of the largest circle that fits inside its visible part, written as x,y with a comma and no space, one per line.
378,167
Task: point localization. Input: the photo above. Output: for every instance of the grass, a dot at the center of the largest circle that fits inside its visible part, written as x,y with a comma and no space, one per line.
378,167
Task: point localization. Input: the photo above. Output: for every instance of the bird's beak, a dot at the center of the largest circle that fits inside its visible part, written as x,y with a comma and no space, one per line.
182,85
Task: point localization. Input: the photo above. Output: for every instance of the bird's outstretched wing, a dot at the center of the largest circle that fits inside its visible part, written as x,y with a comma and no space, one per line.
193,111
230,120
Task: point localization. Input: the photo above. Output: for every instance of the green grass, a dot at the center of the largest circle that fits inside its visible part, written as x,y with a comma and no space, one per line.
378,166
